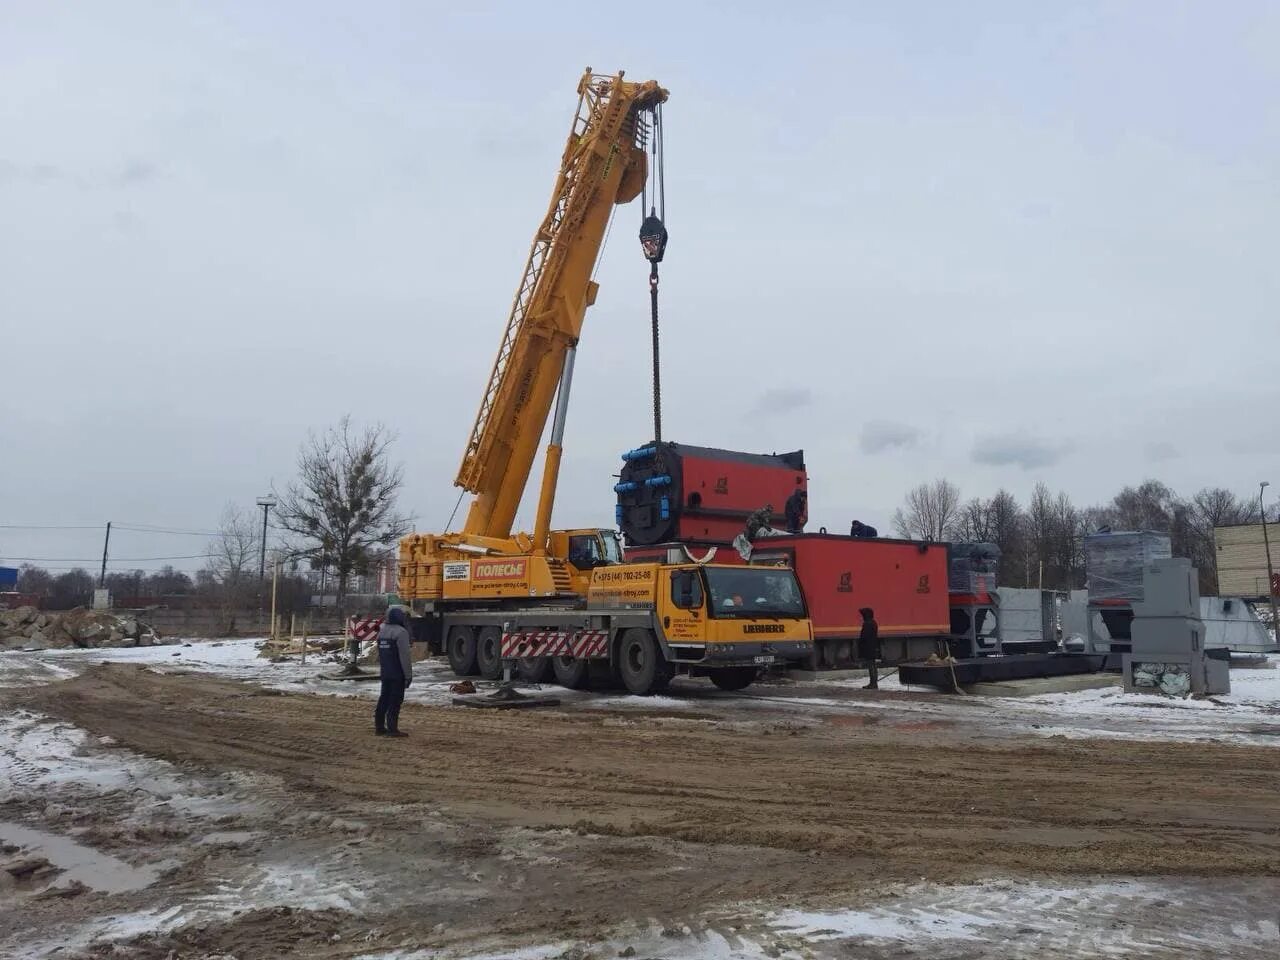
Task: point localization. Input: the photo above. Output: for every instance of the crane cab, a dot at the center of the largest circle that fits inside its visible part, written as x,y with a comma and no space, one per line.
586,549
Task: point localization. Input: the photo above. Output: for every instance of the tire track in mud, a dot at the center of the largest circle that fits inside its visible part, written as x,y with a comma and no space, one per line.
899,802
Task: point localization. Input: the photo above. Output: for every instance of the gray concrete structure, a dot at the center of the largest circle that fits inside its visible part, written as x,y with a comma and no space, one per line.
1168,637
1233,623
1026,614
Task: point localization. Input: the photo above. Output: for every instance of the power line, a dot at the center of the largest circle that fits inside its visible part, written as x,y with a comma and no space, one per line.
56,568
134,527
147,528
194,556
37,526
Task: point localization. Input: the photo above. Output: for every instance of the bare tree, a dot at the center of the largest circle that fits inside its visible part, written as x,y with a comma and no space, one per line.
1007,530
1149,506
343,504
1042,525
1067,545
232,566
930,512
33,579
973,522
233,553
72,589
1214,507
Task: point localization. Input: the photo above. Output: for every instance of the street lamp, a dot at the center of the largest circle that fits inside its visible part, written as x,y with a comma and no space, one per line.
1266,543
266,503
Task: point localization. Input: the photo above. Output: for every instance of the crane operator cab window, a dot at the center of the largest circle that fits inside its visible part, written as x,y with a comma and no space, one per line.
612,548
585,552
754,592
686,589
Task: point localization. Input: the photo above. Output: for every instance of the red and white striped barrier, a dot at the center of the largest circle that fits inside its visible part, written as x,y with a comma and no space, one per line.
364,629
550,643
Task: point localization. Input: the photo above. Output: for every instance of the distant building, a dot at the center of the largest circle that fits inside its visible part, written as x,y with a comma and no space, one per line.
1242,559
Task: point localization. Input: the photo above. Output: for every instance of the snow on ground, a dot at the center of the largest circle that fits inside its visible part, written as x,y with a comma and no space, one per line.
996,918
1017,918
63,764
37,753
1249,714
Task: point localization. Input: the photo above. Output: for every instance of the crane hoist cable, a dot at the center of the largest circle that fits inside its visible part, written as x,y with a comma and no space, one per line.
653,241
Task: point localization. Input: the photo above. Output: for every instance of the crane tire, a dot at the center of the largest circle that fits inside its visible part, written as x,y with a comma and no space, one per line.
535,669
460,646
734,678
643,668
571,672
489,652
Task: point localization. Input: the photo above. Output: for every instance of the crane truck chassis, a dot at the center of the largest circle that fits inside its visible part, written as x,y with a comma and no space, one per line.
638,625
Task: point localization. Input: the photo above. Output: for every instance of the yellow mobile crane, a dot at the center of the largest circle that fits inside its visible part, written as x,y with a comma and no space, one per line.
557,600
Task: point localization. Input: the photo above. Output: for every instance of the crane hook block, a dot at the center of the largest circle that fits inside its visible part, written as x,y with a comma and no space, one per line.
653,238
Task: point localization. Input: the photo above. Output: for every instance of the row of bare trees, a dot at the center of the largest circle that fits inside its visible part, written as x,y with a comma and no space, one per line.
338,521
1041,543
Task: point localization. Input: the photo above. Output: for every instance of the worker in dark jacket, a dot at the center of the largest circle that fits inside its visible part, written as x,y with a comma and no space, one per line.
396,668
795,512
862,530
869,646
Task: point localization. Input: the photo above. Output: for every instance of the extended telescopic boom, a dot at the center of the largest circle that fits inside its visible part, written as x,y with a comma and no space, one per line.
604,164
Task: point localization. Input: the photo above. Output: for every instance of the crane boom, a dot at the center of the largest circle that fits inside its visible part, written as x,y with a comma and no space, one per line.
603,164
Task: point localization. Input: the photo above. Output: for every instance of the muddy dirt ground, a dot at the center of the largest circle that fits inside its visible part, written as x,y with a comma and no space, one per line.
265,824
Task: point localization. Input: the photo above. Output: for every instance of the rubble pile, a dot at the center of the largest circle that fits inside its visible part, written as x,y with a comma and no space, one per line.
27,628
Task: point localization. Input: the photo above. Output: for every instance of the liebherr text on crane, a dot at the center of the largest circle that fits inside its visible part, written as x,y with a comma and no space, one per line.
562,602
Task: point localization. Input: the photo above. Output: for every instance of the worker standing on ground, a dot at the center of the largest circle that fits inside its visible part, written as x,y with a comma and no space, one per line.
396,668
869,646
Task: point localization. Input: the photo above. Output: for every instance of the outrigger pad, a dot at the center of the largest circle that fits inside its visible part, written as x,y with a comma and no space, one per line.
505,698
350,676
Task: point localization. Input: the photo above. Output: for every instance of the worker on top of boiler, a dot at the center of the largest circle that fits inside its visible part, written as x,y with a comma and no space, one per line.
396,667
794,510
862,530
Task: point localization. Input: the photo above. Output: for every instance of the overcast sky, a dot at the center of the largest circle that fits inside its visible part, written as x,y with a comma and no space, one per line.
997,242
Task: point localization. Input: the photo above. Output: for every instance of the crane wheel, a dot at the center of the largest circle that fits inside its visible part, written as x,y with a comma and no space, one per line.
489,652
734,678
571,672
461,649
535,669
643,668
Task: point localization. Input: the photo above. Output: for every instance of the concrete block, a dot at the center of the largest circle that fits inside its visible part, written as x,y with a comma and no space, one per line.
1036,686
848,674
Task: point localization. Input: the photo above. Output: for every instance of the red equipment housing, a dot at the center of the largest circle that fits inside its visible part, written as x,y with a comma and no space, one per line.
903,581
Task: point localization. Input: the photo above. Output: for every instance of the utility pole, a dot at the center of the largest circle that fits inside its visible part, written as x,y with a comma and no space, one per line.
275,580
1266,543
266,503
102,577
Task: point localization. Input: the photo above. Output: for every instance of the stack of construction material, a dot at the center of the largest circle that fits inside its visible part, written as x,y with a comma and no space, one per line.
972,567
30,629
1114,563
